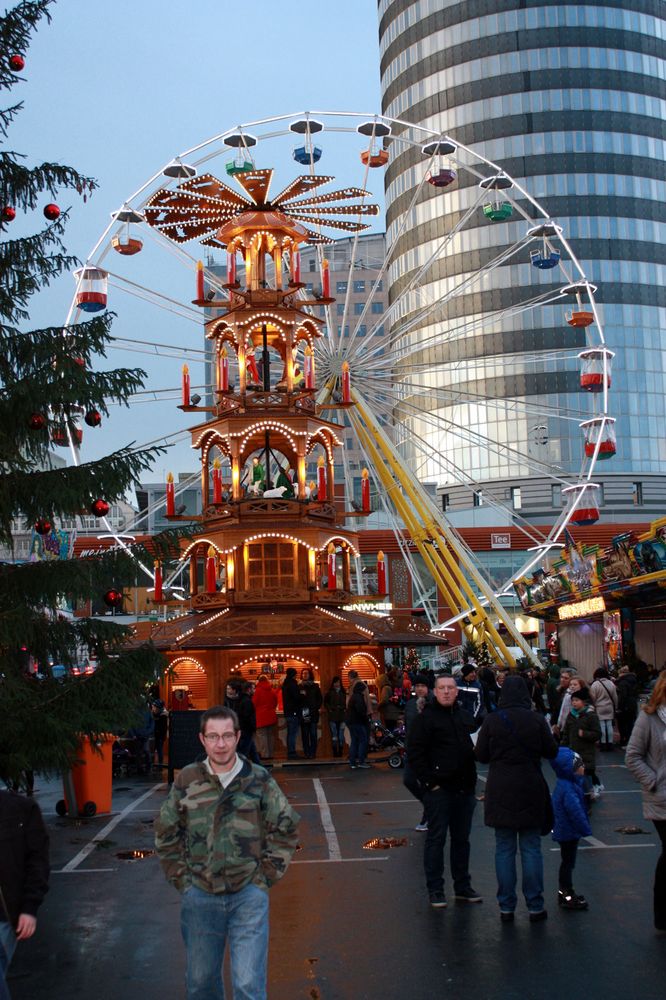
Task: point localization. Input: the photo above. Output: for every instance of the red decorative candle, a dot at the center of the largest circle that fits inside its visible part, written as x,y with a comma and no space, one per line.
252,364
158,582
217,481
381,574
170,496
186,386
296,267
231,267
211,571
321,478
200,281
365,491
325,279
308,367
223,370
332,582
346,385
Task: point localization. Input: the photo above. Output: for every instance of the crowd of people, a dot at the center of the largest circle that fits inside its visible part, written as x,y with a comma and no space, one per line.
512,722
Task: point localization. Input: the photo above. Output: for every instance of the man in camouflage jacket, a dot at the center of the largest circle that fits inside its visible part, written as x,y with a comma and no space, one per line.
225,834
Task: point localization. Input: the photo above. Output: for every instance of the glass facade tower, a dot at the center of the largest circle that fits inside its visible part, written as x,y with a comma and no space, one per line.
570,99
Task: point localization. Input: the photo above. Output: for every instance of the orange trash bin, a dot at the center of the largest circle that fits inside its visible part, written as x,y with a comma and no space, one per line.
92,777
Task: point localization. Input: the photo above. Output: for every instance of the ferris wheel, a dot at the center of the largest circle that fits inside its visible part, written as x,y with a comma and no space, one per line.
436,374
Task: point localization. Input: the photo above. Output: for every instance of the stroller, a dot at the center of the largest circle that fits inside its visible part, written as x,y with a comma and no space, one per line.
382,738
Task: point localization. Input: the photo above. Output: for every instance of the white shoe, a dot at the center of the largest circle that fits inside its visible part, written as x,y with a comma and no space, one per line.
421,827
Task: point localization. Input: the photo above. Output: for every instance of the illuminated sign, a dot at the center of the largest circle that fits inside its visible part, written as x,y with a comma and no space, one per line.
581,608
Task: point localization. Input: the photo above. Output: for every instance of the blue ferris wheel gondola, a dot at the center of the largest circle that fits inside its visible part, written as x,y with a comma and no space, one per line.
539,259
307,156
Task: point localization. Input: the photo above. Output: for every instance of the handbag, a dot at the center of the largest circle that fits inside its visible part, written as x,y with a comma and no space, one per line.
548,816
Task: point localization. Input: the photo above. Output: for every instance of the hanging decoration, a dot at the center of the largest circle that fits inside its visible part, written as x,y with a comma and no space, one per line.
93,418
43,526
100,508
113,598
36,421
51,211
8,213
16,62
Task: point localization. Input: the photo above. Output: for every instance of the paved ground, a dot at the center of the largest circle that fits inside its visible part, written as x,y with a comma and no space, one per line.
347,923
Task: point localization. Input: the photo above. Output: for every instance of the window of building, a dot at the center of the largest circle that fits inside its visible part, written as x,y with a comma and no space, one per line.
358,308
359,286
340,287
271,564
516,498
378,286
313,265
377,307
445,501
637,494
556,495
478,498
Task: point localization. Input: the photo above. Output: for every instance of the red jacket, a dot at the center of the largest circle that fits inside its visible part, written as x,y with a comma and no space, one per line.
265,702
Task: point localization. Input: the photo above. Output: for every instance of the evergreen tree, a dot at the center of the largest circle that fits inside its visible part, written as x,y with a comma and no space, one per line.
47,378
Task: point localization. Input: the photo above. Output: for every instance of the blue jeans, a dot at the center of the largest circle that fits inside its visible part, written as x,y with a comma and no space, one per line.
206,921
309,738
447,812
7,945
337,733
358,742
506,845
293,727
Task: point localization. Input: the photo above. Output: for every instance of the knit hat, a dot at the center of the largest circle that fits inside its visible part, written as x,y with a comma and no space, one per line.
468,669
582,695
421,679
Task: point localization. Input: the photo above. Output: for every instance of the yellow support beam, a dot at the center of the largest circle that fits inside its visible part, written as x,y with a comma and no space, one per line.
442,550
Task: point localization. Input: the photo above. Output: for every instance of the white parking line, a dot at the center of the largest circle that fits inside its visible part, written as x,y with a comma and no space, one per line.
334,853
329,861
356,802
609,847
593,842
90,847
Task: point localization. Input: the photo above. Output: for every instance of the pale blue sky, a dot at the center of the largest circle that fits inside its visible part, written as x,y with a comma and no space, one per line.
117,87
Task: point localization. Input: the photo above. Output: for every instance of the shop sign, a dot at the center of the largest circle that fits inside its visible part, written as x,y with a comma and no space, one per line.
580,609
500,540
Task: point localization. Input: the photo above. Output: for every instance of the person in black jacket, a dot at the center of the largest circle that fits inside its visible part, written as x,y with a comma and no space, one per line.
517,801
239,700
24,872
291,706
441,754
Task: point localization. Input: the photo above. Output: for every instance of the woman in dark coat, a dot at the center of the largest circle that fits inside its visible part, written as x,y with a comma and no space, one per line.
517,801
311,702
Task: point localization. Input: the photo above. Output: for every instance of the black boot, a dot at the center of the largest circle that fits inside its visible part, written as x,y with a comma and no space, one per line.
568,900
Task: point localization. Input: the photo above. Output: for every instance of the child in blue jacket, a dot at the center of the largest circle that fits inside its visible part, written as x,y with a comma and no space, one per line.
571,822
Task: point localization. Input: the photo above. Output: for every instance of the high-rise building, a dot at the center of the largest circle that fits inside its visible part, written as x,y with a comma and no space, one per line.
570,99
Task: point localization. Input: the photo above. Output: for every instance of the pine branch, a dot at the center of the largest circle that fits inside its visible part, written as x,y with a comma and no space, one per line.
7,116
16,28
22,186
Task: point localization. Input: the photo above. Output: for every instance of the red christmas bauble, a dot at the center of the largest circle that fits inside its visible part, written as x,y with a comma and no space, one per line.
17,62
113,598
81,362
100,508
36,421
8,213
51,211
93,418
42,526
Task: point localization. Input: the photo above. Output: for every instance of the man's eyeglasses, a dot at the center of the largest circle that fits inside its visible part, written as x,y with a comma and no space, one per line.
219,737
